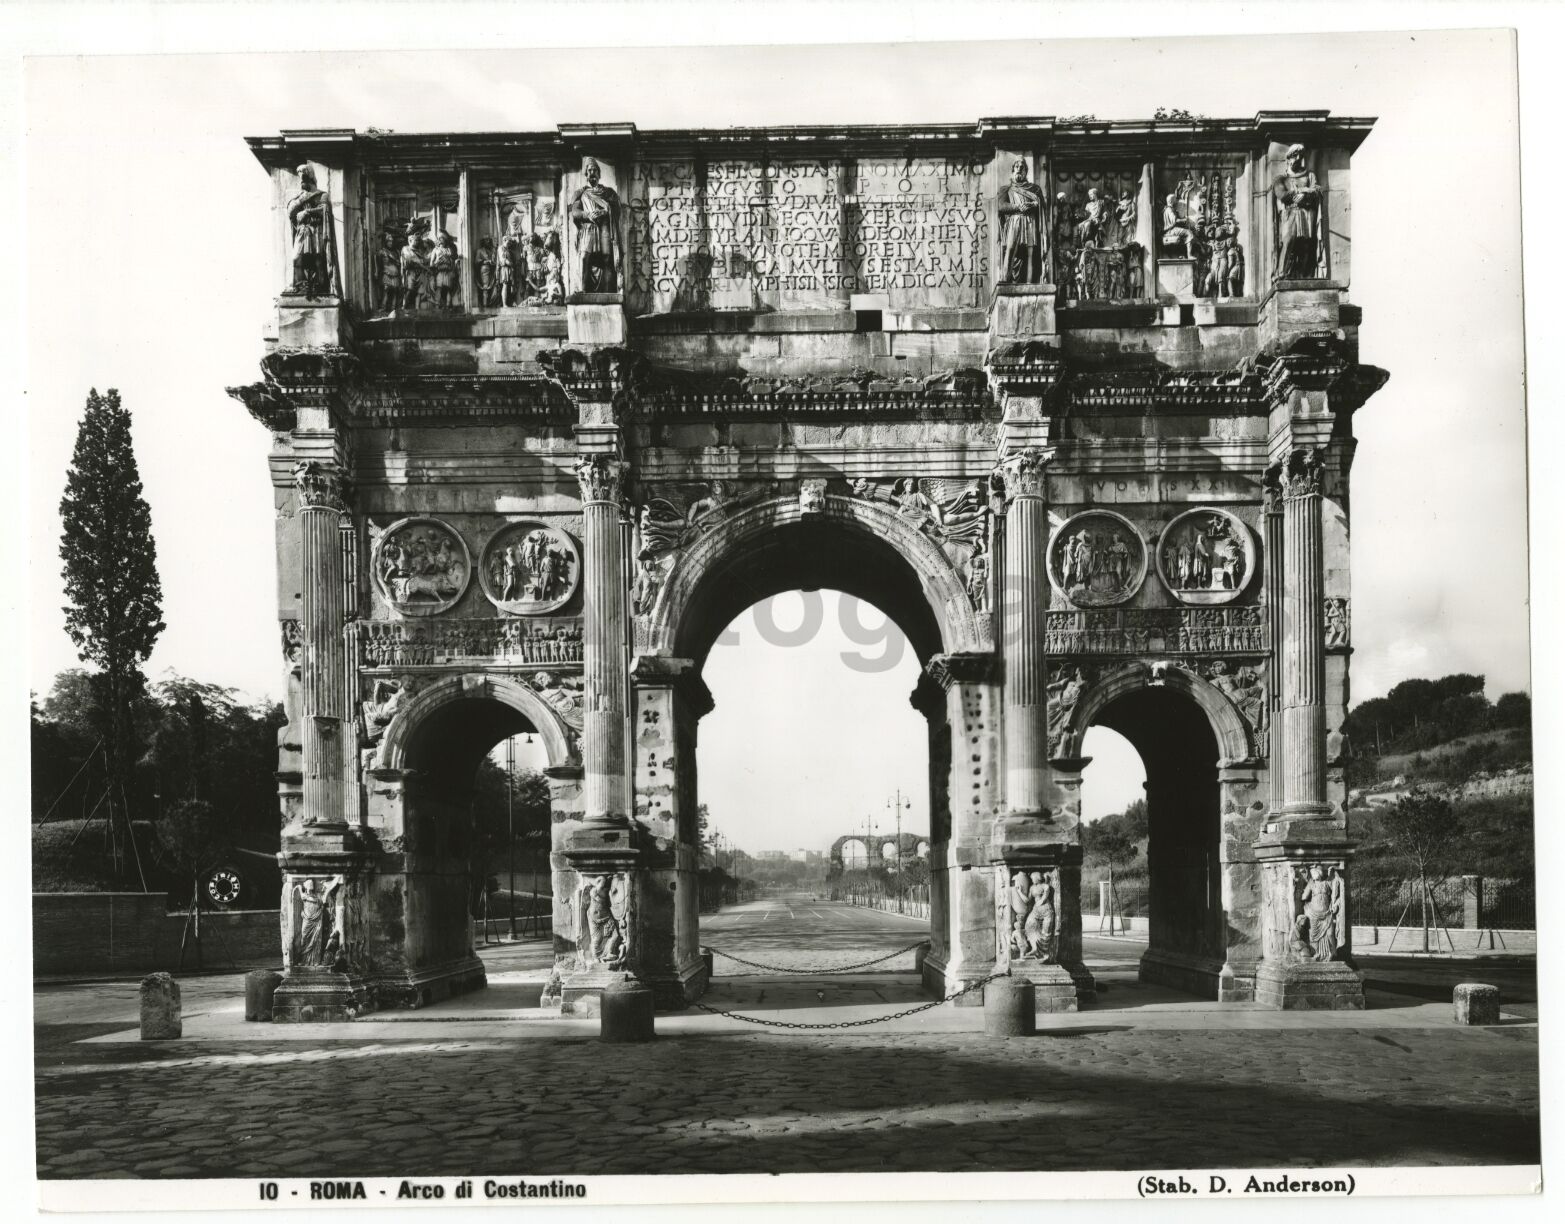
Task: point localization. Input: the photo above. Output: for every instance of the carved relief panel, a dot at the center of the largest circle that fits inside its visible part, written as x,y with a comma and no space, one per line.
1206,556
530,569
1097,254
322,924
1097,558
518,257
1320,907
421,566
605,920
416,255
1027,918
1200,230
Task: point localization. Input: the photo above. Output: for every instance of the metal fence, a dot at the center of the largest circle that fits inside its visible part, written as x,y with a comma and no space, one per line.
1458,902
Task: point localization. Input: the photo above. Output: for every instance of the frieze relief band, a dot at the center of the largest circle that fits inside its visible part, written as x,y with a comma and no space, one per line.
506,640
1227,630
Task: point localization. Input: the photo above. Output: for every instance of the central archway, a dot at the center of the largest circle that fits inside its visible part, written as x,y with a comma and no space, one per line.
857,546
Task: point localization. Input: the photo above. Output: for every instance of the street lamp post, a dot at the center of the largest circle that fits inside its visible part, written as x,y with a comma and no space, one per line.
898,804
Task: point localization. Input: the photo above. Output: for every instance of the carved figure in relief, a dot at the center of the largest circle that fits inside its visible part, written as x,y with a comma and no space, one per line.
1176,231
1205,556
606,905
594,210
1020,907
1020,210
812,496
649,581
388,273
978,576
488,287
316,933
388,698
1065,690
421,562
1042,926
1324,908
533,567
414,266
1336,622
443,271
1225,275
511,264
1097,561
1297,206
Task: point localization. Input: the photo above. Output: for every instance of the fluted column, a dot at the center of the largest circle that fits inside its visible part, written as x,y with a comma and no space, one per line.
323,682
1304,639
1024,615
604,639
1273,562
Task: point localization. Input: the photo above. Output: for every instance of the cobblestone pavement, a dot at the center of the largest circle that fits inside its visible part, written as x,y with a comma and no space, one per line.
1110,1092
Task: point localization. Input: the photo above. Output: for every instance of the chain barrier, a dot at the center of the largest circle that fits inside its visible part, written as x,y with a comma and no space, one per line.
922,943
847,1024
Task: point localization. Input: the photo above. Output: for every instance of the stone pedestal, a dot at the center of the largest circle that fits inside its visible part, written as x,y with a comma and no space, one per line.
1010,1008
306,322
595,318
1176,278
1050,874
1022,312
260,989
1304,877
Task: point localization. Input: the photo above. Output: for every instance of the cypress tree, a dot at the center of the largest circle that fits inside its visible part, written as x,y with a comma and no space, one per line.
114,614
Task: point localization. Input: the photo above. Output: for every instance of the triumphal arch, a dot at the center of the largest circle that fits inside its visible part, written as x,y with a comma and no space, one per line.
1071,401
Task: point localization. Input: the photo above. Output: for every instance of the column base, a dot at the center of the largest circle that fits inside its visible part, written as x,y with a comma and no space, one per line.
580,991
1309,986
938,981
320,996
1197,975
677,990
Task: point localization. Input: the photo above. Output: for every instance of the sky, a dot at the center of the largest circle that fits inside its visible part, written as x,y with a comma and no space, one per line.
147,268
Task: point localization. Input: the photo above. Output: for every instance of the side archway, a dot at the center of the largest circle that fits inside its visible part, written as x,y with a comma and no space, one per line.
1235,741
474,686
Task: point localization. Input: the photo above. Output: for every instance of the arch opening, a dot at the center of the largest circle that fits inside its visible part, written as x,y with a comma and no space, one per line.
1179,749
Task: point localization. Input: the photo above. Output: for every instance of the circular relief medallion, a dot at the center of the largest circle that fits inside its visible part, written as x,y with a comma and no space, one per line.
422,566
1206,556
1097,558
530,568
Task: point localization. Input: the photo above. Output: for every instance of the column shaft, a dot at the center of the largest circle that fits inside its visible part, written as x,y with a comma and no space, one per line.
606,667
1274,615
1025,611
323,671
1304,649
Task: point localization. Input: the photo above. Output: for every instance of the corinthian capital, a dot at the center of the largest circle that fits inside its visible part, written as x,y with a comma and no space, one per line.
320,488
601,476
1301,477
1022,472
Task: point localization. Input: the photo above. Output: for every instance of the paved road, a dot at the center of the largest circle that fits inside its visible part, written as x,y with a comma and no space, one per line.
1112,1091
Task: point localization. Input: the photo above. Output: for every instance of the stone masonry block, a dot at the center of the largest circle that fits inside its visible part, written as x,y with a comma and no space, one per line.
160,1009
1477,1003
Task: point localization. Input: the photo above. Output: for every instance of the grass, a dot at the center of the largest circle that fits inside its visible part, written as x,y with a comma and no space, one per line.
68,857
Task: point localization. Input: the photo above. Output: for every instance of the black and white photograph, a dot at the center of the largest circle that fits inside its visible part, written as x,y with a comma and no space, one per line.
613,621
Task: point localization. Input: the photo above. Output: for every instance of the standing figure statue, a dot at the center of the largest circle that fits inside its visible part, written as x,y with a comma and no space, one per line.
595,210
511,261
488,287
1297,201
1020,209
309,216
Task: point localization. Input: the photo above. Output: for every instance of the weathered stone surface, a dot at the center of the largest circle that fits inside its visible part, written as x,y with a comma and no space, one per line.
161,1016
1010,1008
1050,432
260,986
1476,1003
627,1013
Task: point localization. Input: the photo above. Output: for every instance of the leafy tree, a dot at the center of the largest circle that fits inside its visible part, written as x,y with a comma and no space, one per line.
114,613
1422,826
1513,710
